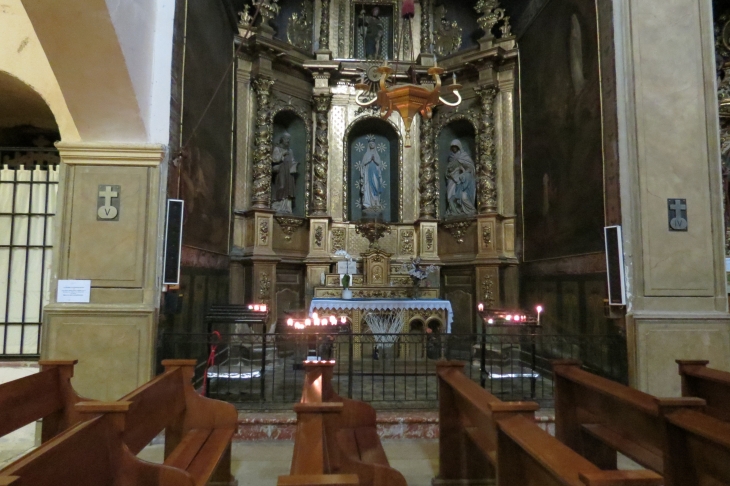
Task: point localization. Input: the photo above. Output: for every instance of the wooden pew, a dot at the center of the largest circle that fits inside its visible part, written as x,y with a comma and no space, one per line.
711,385
468,416
91,453
529,456
698,450
337,435
597,417
46,395
198,430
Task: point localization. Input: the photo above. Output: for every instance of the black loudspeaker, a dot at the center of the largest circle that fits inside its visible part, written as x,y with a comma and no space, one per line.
615,265
173,242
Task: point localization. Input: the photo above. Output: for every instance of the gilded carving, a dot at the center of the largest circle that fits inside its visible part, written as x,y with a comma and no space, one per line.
457,229
289,225
341,29
262,161
322,105
487,166
487,235
427,172
429,239
299,29
488,291
338,239
318,236
264,287
264,231
491,14
406,247
447,35
425,26
324,27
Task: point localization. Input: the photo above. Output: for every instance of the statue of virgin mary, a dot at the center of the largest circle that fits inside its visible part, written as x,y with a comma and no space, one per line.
371,180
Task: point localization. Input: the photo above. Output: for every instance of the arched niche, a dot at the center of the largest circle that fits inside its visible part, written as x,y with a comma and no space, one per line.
26,120
365,138
461,129
290,122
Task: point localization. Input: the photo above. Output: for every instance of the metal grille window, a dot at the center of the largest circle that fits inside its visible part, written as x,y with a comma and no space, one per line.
28,189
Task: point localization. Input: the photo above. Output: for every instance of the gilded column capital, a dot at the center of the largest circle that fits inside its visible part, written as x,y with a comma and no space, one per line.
261,197
322,104
324,26
427,172
487,166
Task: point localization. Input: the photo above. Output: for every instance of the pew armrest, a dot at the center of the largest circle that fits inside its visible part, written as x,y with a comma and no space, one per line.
621,478
8,480
641,453
319,480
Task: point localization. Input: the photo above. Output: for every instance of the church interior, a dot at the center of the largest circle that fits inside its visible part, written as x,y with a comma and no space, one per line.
376,242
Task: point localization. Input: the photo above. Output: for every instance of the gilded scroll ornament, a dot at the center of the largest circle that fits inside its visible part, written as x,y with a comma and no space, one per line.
338,239
429,239
491,14
457,229
318,236
264,287
324,27
447,35
488,291
487,167
289,225
261,197
322,105
299,29
406,247
264,231
427,172
487,235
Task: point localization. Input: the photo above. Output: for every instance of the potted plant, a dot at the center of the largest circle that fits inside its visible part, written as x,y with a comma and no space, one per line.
346,292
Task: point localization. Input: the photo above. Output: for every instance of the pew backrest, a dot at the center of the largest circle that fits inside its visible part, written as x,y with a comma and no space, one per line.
698,449
46,395
529,456
709,384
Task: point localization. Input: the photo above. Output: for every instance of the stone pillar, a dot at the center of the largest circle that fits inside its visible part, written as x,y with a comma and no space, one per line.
487,166
261,193
114,334
322,103
427,185
324,31
669,149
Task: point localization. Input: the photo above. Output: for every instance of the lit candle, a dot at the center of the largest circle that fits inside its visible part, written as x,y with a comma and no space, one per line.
256,307
307,322
539,311
490,321
250,307
333,320
343,320
315,316
262,308
480,307
290,322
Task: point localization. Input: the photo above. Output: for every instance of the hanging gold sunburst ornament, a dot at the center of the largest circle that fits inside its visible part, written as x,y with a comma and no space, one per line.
408,99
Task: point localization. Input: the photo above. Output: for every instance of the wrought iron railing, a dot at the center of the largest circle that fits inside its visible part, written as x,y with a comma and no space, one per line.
256,371
28,187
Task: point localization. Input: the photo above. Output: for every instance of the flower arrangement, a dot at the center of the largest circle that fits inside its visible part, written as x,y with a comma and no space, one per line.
418,273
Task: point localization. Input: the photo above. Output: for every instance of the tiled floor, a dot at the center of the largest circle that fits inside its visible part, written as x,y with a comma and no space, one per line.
260,463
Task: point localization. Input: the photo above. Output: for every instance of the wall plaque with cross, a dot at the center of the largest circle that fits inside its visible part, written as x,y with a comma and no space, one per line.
677,214
107,202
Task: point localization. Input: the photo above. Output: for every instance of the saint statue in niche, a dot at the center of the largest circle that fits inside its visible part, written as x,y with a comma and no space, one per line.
371,176
460,184
371,29
284,169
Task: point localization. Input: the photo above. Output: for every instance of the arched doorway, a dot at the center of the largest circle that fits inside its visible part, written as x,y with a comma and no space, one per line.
29,165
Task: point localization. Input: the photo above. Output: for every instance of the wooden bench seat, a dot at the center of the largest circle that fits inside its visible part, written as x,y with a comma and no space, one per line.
46,395
709,384
527,455
91,453
597,417
337,435
468,416
198,430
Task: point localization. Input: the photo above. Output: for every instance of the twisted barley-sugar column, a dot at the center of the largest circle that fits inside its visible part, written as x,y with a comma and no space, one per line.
487,166
425,26
324,27
322,105
261,197
427,172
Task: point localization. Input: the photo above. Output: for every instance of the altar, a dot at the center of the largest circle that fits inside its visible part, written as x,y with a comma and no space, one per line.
435,314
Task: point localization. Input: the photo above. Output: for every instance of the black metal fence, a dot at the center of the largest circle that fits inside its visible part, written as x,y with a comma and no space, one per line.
28,187
390,371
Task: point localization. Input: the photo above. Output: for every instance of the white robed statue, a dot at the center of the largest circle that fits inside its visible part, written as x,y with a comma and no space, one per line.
371,180
460,182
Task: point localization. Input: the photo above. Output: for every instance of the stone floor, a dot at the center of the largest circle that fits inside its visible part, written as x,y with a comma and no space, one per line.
16,443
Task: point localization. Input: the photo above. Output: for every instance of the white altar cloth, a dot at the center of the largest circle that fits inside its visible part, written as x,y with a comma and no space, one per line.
386,304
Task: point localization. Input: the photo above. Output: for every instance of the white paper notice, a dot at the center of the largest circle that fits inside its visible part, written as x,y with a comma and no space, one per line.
78,291
346,267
